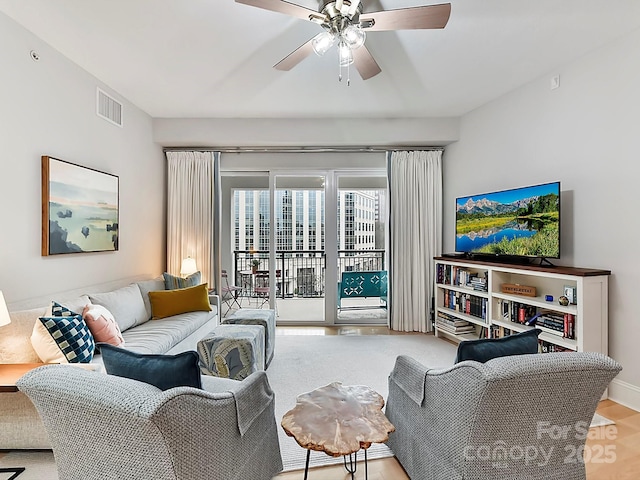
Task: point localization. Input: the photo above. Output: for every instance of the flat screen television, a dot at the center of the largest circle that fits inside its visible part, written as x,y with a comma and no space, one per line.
518,223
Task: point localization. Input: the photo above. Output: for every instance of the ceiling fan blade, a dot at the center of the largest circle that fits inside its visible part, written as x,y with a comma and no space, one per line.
365,63
427,16
295,57
281,6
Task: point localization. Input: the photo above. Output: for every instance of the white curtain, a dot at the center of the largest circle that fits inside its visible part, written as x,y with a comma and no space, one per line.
193,212
415,231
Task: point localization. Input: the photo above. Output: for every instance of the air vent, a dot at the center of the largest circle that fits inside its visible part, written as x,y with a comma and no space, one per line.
109,108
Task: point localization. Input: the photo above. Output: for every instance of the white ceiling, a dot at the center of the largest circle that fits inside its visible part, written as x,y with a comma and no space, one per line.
214,58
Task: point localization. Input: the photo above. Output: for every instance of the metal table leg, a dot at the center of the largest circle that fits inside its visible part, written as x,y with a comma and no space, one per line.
306,465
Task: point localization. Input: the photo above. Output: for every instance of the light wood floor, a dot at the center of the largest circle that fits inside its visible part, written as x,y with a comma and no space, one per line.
621,442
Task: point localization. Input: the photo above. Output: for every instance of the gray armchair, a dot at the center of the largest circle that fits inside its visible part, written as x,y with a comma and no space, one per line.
108,427
518,417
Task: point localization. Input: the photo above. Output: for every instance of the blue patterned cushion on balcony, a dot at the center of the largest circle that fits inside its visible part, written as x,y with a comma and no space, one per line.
232,351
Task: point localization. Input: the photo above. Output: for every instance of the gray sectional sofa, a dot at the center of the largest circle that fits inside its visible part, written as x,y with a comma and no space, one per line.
128,301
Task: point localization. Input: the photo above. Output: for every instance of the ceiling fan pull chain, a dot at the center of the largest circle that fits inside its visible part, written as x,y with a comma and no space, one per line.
349,75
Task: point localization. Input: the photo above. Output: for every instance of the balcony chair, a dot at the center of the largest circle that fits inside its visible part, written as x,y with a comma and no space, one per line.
111,428
262,289
485,421
230,294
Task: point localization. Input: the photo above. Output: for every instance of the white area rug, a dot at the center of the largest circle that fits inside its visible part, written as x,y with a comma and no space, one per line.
600,421
303,363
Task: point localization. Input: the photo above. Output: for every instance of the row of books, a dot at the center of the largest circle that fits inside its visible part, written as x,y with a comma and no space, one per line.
546,347
465,303
517,312
556,323
498,331
461,277
452,324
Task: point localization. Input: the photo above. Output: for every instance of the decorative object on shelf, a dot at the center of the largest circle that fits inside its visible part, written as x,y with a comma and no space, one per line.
562,300
79,209
516,289
570,293
188,267
548,298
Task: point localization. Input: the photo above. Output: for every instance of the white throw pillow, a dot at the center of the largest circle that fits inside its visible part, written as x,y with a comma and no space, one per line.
44,345
125,304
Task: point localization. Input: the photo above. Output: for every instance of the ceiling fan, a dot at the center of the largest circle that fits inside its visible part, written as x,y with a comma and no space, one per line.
345,24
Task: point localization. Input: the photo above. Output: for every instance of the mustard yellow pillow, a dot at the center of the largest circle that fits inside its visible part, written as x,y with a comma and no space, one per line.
165,303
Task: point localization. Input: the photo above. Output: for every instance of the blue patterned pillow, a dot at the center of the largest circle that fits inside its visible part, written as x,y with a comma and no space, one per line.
72,336
171,282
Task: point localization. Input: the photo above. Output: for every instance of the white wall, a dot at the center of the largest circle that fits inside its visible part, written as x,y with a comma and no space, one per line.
262,132
48,108
585,135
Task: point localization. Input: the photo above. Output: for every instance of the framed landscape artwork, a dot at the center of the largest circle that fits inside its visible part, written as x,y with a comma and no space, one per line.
79,209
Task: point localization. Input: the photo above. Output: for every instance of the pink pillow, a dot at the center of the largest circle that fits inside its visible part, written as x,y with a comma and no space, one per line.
102,325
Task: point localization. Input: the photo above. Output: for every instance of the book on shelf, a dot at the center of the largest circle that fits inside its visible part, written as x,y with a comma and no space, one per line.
469,336
451,320
556,323
517,312
466,303
498,331
461,277
457,330
546,347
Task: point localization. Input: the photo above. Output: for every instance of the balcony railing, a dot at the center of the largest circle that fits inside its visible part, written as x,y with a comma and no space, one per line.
301,272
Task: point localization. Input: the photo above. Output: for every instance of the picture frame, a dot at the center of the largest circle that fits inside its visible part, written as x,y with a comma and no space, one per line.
80,209
570,291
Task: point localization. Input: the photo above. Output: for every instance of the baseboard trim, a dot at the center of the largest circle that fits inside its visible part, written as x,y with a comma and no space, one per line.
625,394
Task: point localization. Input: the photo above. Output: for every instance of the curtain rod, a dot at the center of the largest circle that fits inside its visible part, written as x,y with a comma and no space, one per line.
304,149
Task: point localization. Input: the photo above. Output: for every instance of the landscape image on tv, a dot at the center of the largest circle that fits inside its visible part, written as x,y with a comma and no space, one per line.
520,222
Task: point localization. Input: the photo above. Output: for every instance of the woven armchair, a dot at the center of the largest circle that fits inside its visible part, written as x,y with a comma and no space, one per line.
504,419
112,428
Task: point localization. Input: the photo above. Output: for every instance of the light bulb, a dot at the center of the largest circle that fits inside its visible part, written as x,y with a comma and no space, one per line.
323,42
346,56
354,36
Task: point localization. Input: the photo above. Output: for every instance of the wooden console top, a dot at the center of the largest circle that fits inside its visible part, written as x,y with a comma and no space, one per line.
11,372
577,271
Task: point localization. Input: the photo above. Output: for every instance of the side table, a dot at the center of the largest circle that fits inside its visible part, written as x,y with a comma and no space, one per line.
338,420
11,372
9,375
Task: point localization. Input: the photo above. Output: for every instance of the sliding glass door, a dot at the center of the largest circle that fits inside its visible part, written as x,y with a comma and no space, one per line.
298,277
289,234
361,255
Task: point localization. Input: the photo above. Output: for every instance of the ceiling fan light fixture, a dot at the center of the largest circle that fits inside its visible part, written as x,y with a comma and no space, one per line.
345,54
353,36
323,42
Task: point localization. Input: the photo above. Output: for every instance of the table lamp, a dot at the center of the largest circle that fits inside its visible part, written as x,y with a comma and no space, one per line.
5,319
188,267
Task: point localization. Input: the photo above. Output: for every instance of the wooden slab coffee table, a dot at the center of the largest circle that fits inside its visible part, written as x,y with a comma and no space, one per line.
338,420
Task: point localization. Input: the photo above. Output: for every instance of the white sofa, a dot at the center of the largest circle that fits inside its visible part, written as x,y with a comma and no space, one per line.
20,425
